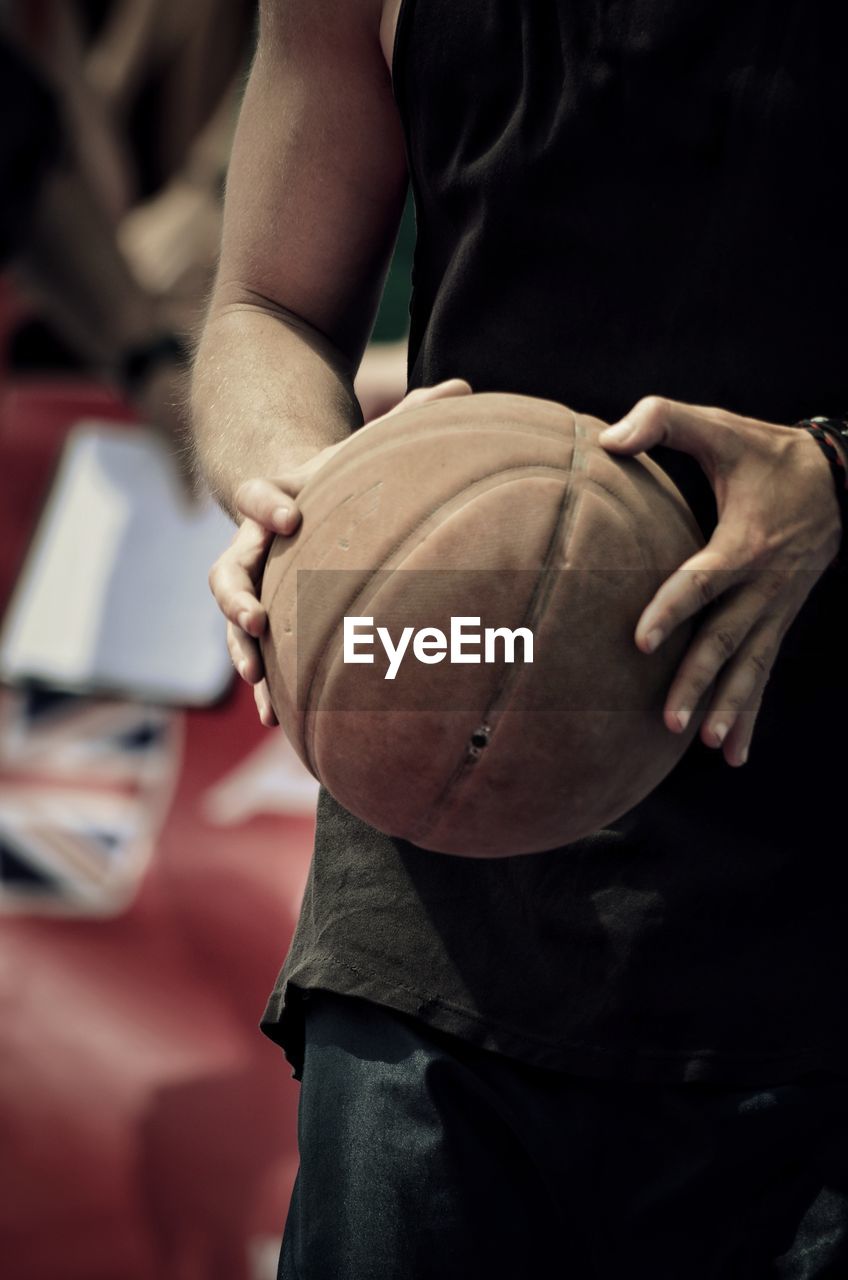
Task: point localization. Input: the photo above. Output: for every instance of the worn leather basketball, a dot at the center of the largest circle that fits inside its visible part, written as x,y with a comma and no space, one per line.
504,511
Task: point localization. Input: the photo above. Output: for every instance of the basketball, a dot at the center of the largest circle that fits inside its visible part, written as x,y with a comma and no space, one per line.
450,640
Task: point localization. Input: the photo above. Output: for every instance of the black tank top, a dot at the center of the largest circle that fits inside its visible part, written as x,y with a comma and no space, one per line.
616,198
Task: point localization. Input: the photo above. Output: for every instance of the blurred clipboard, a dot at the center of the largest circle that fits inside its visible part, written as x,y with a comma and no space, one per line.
113,595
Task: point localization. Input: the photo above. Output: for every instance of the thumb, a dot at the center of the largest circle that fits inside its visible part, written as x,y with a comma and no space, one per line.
270,503
653,421
424,395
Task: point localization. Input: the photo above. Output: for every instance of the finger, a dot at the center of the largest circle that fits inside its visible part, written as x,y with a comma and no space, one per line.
698,430
712,647
235,594
262,698
737,744
245,654
249,548
741,685
695,586
271,506
735,645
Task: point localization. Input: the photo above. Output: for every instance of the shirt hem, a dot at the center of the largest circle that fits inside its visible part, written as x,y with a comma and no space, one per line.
282,1023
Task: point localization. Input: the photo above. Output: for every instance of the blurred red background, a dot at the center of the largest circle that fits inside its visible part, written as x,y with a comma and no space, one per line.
148,1129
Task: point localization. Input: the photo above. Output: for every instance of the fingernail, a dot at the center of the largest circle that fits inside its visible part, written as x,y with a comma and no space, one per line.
242,670
743,759
244,619
719,732
654,639
281,516
684,715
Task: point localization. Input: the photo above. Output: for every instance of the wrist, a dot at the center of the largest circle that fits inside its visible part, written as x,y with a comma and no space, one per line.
831,435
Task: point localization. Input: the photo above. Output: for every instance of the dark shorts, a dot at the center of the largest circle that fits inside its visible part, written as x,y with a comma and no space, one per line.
421,1156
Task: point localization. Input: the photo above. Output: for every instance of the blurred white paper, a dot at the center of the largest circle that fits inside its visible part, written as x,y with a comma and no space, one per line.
113,595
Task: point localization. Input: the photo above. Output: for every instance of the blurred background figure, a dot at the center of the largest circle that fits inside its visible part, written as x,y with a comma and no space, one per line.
118,225
152,854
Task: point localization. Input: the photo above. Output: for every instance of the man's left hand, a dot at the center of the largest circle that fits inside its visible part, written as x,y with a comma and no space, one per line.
778,530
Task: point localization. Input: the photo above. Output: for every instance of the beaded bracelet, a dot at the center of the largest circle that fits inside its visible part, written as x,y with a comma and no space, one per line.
831,435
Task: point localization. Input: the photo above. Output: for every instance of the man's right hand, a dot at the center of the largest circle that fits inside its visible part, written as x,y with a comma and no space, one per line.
269,508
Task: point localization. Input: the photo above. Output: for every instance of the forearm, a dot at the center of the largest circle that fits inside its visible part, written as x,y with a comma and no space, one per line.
315,191
268,392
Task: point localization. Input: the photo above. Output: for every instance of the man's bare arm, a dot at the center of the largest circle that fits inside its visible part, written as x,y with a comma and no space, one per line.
315,192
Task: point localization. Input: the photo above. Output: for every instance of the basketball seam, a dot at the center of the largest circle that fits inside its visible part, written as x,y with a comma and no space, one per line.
379,444
501,696
481,479
564,517
503,477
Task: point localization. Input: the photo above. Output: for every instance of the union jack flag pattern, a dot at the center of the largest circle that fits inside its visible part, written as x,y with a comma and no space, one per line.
84,787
